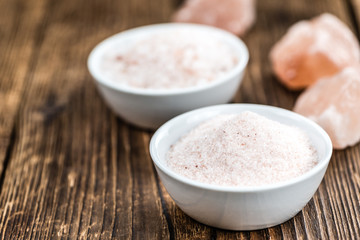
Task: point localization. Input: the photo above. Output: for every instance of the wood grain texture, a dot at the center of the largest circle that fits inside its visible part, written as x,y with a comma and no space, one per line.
72,169
18,38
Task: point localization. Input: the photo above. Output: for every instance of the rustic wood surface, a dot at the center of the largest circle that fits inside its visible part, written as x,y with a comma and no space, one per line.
69,168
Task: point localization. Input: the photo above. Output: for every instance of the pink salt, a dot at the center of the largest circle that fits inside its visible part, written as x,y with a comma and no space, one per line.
334,103
313,49
244,149
235,16
170,59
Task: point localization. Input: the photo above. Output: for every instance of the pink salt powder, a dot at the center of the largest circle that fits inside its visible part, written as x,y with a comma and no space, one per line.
242,150
170,59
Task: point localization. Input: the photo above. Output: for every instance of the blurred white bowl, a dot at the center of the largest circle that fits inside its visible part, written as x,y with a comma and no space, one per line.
239,208
150,108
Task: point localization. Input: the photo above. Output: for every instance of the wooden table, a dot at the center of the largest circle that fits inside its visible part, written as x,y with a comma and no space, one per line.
69,168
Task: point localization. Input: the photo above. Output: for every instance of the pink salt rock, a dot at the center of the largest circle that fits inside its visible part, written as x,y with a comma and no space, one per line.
334,103
235,16
313,49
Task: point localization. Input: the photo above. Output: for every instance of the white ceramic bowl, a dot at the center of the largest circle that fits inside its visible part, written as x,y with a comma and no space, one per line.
150,108
239,208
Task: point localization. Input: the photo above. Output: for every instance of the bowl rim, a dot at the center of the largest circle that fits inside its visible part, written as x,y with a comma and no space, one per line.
323,163
97,51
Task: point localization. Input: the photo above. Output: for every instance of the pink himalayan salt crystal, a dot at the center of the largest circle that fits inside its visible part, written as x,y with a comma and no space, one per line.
235,16
242,150
170,60
313,49
333,102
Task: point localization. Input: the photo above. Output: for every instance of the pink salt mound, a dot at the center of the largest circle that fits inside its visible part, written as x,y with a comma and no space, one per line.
313,49
170,59
333,103
242,150
235,16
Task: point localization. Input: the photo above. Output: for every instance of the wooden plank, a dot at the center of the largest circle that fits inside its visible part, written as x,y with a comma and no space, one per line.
73,172
342,204
16,49
180,225
148,220
354,14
